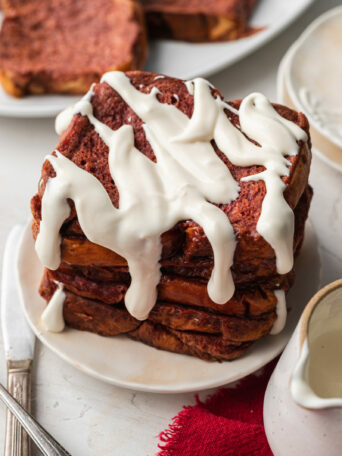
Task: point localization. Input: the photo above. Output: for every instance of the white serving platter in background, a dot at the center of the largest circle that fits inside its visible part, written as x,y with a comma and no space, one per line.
319,42
178,59
130,364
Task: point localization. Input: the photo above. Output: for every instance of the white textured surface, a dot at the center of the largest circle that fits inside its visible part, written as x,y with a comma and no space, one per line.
86,415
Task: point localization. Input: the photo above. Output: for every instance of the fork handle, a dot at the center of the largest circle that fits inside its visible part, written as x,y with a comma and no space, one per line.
17,442
44,441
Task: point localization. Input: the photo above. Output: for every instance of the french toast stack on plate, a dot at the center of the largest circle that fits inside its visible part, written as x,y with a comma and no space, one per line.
184,319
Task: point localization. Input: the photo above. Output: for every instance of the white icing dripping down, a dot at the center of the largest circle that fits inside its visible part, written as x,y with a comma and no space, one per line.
281,311
160,76
190,86
186,179
52,317
278,138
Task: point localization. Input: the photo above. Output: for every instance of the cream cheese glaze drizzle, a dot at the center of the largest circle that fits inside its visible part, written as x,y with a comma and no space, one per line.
184,182
52,317
281,311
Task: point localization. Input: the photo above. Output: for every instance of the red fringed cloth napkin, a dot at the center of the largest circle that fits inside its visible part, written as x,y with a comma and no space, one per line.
228,423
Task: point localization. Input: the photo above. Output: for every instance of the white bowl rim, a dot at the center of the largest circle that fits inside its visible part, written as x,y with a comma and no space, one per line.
287,63
281,82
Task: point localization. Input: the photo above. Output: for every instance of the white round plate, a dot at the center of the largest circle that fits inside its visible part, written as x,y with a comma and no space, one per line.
320,42
130,364
283,97
179,59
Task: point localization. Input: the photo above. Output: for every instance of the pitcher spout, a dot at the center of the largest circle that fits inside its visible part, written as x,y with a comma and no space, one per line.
316,381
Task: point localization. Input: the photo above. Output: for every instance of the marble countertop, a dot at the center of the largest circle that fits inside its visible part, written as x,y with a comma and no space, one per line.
92,418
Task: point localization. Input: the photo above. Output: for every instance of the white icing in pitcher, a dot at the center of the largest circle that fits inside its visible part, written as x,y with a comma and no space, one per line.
317,377
52,317
190,86
184,182
281,312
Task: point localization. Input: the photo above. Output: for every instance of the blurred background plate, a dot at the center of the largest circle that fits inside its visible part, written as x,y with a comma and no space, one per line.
179,59
315,89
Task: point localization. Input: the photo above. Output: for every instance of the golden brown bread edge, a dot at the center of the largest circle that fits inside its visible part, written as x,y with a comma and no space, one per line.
200,23
203,346
258,256
109,285
191,325
252,301
175,288
107,320
107,265
19,86
170,327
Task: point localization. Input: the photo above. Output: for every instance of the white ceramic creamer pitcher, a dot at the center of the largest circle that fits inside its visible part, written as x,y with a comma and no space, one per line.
303,400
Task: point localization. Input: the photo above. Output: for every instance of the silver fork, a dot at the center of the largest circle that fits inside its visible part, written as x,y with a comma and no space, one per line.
44,441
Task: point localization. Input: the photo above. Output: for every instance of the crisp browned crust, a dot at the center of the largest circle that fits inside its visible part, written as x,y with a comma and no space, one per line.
174,327
107,266
63,46
230,328
206,347
251,302
93,316
199,20
184,319
8,5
